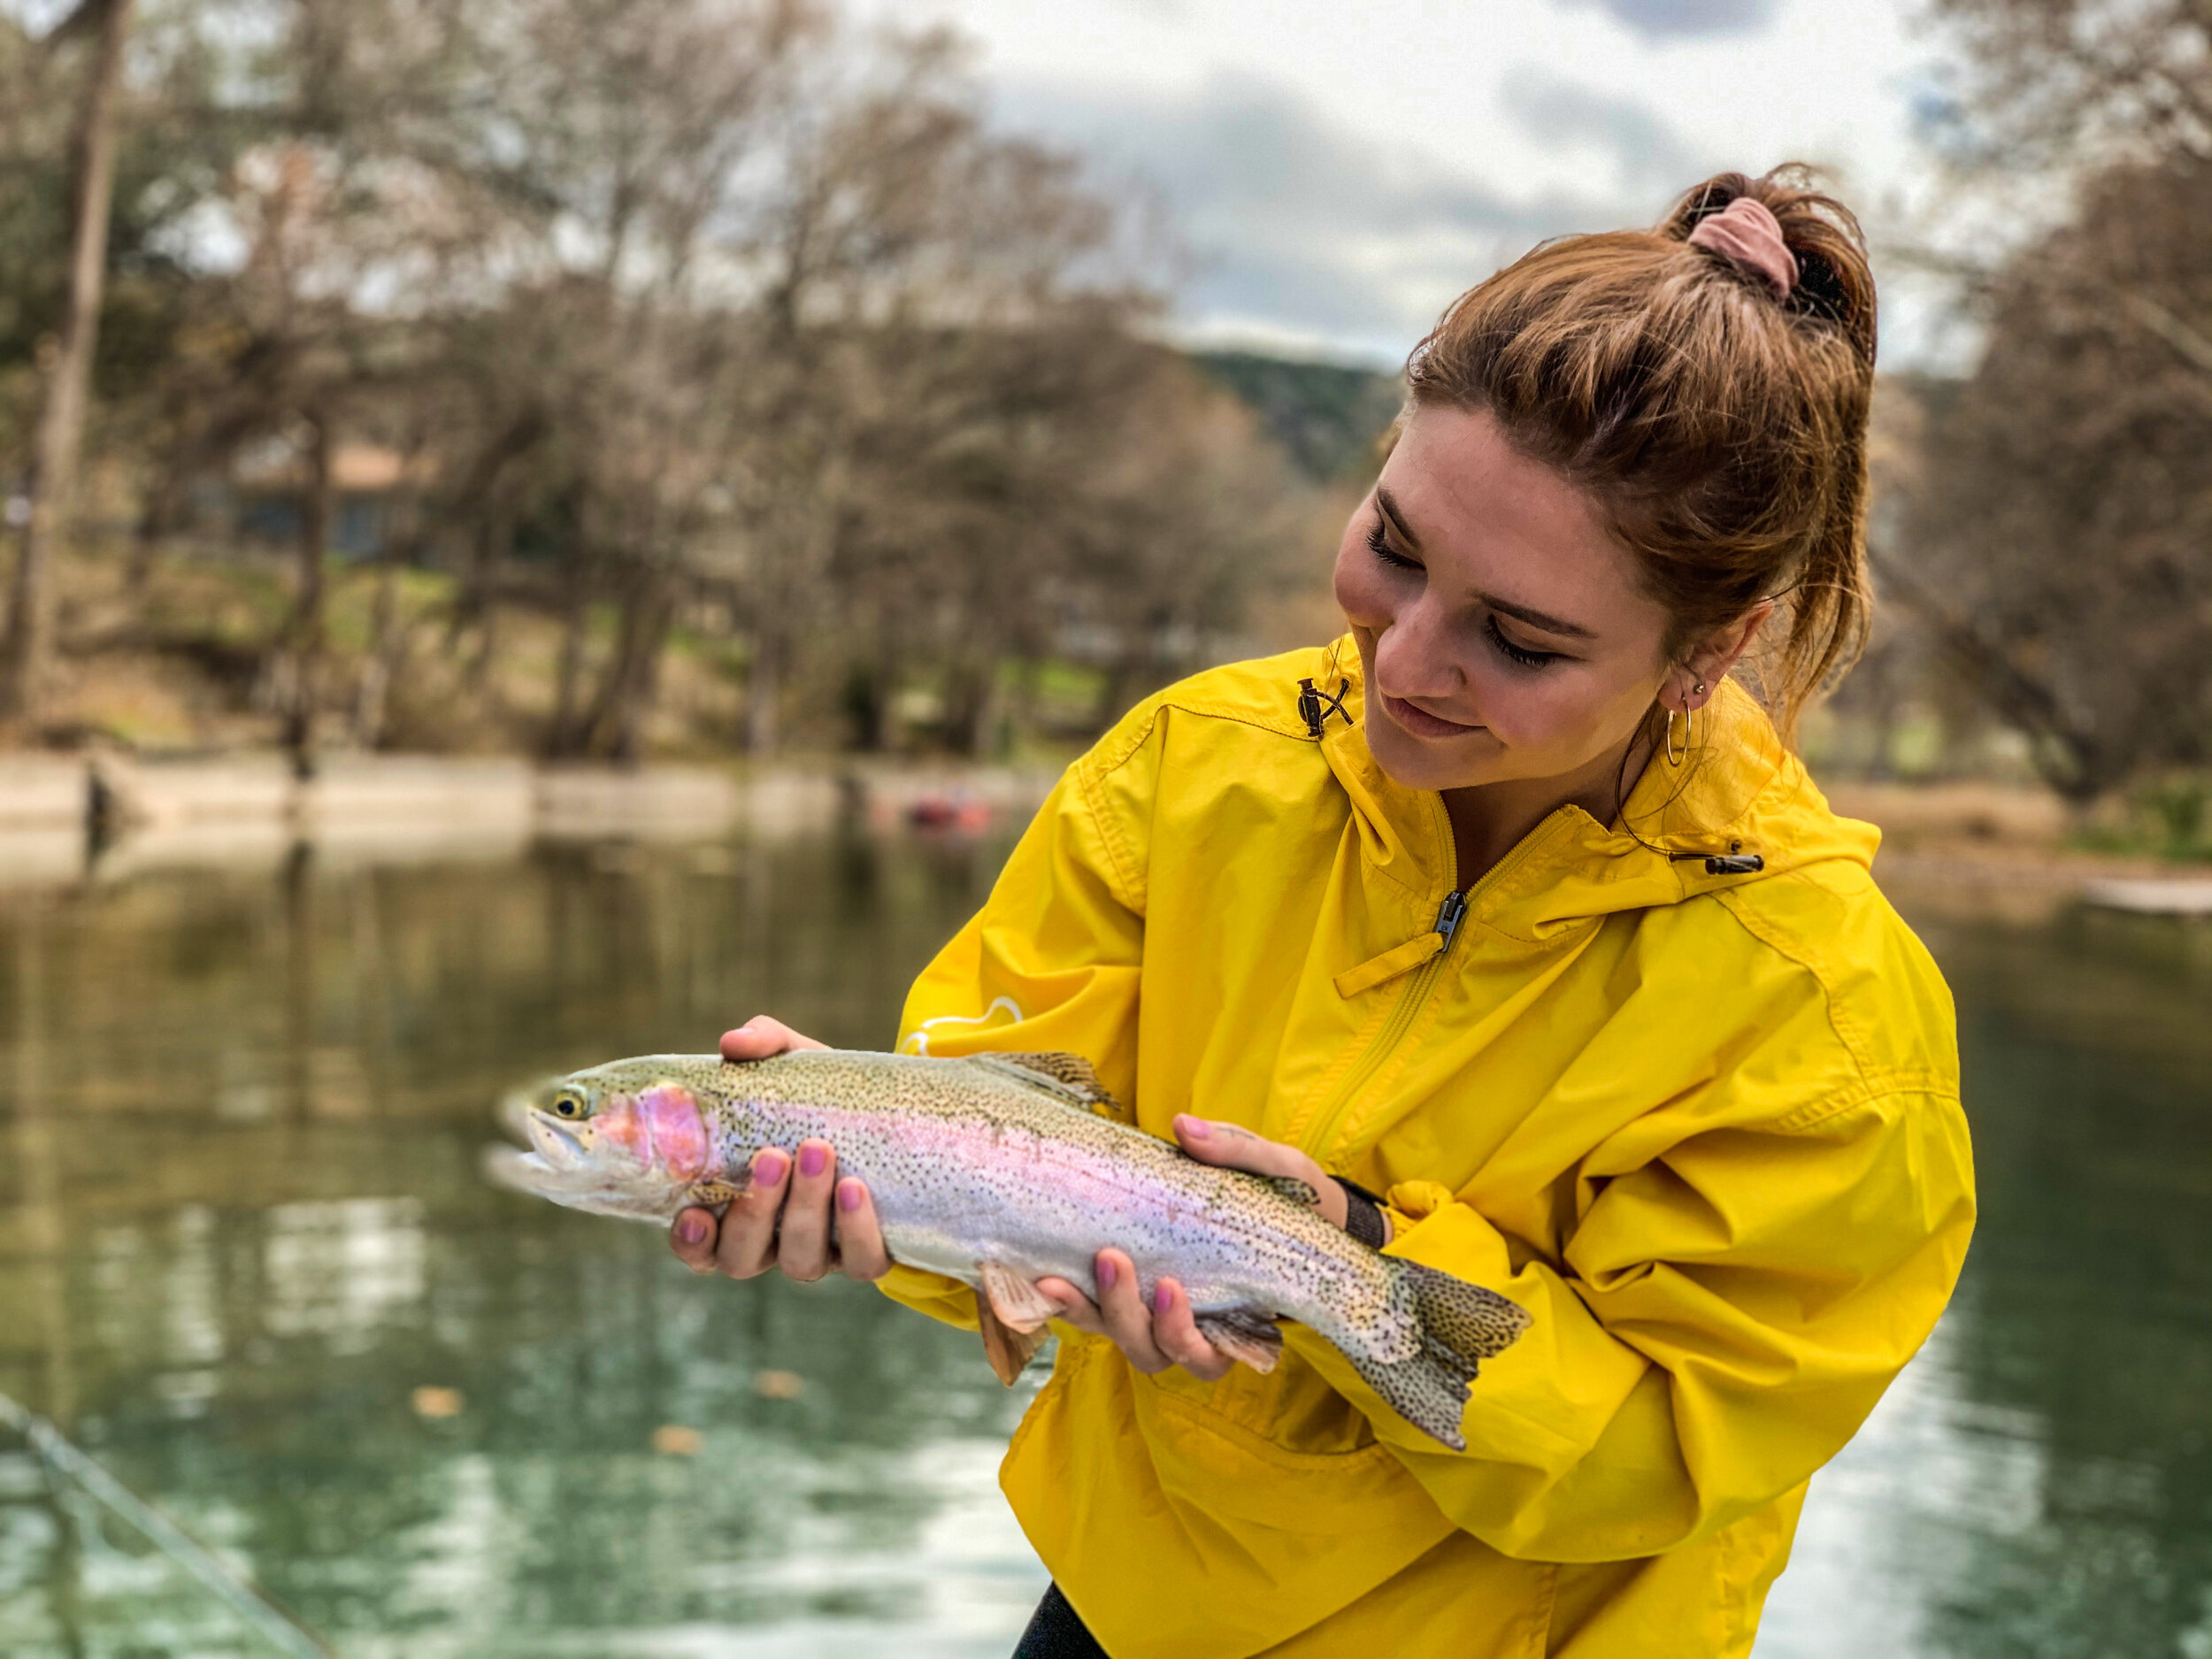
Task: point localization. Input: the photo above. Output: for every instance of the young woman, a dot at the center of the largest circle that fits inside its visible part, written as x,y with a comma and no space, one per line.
1514,908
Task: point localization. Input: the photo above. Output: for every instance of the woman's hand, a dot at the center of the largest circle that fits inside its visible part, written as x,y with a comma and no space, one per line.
782,1217
1167,1333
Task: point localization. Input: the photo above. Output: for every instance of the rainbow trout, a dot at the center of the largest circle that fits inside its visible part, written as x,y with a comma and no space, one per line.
1000,1169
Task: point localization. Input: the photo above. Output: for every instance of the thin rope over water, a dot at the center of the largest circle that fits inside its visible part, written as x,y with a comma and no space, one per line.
248,1600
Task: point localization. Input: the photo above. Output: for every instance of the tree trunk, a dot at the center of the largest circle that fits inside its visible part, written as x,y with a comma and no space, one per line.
763,692
159,517
971,707
304,634
562,736
615,727
487,550
60,430
2066,755
639,685
387,641
491,500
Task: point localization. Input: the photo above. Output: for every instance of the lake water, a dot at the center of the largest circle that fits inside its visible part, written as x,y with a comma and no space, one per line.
246,1260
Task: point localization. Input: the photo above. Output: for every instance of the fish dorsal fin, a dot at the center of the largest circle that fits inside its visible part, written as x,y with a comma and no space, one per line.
1067,1078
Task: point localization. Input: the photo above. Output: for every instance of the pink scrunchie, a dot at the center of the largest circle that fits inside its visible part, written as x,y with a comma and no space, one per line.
1746,233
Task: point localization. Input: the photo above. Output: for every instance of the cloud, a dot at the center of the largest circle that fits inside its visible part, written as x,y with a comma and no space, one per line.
1664,19
1299,231
1647,155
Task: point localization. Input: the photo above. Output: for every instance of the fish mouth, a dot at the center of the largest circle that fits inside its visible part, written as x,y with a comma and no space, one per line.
513,1115
553,1142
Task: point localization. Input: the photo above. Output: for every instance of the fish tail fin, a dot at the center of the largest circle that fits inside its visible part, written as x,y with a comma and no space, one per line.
1457,1325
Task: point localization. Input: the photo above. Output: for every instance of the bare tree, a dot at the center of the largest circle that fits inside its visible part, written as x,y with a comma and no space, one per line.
59,432
697,316
2060,537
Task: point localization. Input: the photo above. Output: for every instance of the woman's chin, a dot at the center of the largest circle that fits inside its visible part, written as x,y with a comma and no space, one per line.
1415,763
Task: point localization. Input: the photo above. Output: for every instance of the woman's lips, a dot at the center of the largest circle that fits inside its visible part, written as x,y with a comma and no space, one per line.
1420,722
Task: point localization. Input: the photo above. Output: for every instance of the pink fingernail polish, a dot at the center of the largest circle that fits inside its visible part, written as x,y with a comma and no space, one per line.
813,1159
691,1230
1105,1274
1197,1128
1163,1298
848,1195
768,1168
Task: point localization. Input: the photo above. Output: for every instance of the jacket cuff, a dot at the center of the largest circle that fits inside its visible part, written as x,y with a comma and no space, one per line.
932,1293
1417,1201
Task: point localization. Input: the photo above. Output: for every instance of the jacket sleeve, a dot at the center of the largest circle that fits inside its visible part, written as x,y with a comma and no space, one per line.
1726,1314
1051,963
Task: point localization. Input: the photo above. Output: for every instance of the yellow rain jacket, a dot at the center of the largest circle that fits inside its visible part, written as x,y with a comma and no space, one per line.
1705,1128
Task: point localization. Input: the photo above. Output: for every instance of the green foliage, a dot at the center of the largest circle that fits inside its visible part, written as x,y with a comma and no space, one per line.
1328,417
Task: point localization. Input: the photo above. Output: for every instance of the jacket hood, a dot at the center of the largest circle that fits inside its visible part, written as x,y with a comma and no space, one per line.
1740,792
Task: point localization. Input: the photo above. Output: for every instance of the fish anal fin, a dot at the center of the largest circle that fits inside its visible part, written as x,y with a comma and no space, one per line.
1246,1338
1066,1077
1009,1350
1020,1305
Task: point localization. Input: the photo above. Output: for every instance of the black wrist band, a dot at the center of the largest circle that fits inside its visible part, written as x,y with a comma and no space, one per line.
1363,1216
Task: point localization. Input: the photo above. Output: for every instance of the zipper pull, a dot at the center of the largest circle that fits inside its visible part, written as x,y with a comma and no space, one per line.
1404,958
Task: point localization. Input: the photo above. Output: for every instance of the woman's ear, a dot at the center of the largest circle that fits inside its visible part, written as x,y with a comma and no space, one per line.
1709,662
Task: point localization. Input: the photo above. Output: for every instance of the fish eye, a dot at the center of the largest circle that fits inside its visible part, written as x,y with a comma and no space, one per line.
567,1106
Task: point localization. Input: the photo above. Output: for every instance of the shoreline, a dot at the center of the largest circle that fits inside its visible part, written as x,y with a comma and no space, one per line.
1949,850
68,820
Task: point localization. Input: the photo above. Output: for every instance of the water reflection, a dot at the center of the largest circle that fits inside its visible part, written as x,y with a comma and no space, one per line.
2039,1484
245,1256
248,1262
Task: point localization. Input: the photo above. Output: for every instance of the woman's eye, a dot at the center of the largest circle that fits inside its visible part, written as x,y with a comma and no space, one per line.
1378,544
1519,654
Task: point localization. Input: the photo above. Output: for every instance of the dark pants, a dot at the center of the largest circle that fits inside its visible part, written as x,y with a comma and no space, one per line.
1054,1632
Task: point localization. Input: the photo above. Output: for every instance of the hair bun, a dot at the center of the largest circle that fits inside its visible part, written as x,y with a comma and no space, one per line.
1835,284
1749,237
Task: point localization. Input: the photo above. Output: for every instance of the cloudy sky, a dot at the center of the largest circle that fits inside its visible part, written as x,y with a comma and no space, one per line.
1336,172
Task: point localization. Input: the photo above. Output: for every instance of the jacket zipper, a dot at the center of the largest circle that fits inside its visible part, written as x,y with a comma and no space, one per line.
1448,916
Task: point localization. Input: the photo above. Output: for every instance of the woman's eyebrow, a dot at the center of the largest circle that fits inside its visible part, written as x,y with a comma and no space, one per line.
1529,614
1536,619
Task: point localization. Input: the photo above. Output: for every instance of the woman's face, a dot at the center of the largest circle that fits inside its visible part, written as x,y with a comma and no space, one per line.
1506,636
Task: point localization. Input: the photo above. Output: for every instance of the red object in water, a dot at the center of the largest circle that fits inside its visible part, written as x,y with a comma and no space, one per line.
948,812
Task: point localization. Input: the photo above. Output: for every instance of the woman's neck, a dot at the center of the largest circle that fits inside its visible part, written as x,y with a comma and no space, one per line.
1489,821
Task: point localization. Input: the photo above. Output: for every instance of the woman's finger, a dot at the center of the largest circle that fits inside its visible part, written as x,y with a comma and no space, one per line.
860,1252
760,1036
1128,1320
1233,1146
802,1251
747,1248
692,1237
1074,1307
1175,1332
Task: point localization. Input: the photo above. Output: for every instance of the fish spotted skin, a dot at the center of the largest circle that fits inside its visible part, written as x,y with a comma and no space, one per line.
1002,1162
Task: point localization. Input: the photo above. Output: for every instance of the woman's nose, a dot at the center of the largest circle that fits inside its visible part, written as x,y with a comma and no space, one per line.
1414,657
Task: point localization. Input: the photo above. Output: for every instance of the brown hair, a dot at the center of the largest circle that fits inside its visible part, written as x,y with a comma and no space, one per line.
1724,431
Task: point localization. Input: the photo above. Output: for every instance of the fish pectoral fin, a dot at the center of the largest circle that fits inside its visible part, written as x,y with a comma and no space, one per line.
711,1194
1009,1350
1299,1193
1066,1078
1020,1305
1246,1338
